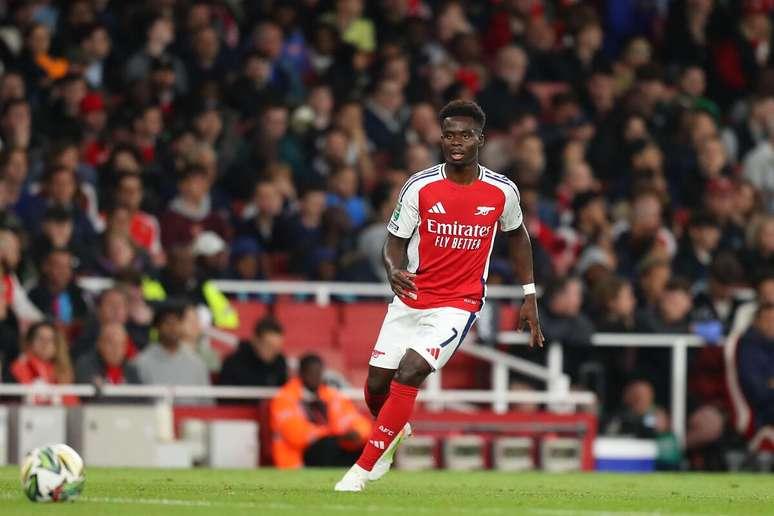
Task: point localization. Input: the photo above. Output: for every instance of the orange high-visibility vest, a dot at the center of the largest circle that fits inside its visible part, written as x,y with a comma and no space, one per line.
292,432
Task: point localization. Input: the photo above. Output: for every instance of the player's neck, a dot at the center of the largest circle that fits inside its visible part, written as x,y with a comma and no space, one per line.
462,174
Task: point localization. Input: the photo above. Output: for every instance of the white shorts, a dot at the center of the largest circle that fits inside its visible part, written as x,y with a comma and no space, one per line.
434,333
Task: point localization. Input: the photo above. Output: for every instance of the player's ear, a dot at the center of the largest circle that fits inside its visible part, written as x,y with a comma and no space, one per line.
481,139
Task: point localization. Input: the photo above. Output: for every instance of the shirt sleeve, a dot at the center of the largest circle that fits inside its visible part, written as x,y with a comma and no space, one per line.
405,217
511,217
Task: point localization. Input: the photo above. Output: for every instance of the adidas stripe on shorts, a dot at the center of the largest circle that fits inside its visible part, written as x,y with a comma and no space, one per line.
434,333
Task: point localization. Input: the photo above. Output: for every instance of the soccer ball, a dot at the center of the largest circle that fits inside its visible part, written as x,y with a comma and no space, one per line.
52,474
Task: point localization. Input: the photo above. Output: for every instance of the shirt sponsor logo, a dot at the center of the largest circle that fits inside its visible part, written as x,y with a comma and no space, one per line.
463,237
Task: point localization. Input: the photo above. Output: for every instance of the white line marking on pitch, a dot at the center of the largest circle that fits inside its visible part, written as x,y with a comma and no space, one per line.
349,508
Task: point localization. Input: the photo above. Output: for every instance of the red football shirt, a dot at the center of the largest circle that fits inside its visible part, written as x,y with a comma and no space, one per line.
451,229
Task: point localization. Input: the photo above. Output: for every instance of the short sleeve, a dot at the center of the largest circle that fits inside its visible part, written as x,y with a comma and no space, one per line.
405,217
511,217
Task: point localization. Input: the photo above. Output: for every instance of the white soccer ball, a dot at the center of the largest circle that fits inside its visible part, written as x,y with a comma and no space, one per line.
52,474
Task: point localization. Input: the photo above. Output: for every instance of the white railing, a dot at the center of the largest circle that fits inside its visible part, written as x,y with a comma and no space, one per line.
321,290
678,342
171,392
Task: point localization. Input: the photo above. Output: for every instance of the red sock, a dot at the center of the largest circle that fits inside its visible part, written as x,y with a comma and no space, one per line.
374,401
393,416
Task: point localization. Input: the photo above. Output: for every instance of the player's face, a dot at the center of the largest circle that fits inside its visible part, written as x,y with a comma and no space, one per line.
460,141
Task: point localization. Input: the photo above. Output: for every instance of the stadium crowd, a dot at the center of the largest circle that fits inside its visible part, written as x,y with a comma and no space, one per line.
168,143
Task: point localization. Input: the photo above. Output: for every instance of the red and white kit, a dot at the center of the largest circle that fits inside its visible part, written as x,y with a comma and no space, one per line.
451,229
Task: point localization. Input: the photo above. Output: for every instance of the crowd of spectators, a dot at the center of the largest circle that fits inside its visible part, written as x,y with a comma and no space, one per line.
166,143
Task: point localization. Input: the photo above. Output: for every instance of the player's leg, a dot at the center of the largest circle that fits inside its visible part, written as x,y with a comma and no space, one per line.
377,388
441,332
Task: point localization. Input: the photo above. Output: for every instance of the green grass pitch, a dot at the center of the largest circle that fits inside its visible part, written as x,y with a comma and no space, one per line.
118,492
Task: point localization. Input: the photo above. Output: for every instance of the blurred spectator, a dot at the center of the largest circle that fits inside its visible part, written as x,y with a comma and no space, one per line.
760,242
95,45
695,254
160,34
180,279
107,363
259,361
645,235
247,262
719,202
653,275
191,212
561,314
193,324
253,90
56,294
353,27
45,359
639,416
212,255
112,308
615,304
59,188
168,361
371,240
265,220
144,227
506,94
314,424
755,369
386,116
343,193
718,301
672,314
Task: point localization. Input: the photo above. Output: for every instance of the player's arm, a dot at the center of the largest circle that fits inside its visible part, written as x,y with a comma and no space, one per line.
521,254
395,261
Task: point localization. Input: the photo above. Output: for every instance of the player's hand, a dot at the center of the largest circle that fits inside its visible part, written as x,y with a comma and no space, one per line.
528,318
402,283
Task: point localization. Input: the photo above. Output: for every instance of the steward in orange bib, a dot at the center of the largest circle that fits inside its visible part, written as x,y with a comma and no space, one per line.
314,424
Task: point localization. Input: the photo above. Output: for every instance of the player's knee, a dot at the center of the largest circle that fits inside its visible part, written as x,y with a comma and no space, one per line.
413,371
377,385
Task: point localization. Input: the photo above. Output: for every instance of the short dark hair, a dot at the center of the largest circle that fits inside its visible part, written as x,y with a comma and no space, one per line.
266,325
166,309
309,360
463,108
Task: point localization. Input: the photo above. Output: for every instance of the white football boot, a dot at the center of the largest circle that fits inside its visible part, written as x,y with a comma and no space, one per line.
354,480
382,465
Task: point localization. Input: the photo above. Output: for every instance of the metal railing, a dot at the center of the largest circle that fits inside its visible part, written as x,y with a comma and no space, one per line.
169,393
679,374
322,291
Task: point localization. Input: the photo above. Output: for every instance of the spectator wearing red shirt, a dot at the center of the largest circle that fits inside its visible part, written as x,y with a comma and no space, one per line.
45,360
143,227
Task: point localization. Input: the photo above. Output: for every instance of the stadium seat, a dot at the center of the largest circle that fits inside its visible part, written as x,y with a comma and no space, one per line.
249,314
509,317
464,372
308,327
357,334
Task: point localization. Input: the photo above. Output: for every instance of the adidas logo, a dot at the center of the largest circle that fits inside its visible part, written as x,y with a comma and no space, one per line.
437,208
376,444
435,352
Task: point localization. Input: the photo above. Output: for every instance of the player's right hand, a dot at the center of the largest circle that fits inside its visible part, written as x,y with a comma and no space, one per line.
402,283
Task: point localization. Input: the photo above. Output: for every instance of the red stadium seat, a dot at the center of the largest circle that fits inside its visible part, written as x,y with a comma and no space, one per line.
308,327
357,334
509,317
250,312
464,372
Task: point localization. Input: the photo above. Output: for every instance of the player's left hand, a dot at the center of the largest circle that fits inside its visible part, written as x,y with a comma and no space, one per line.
528,318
